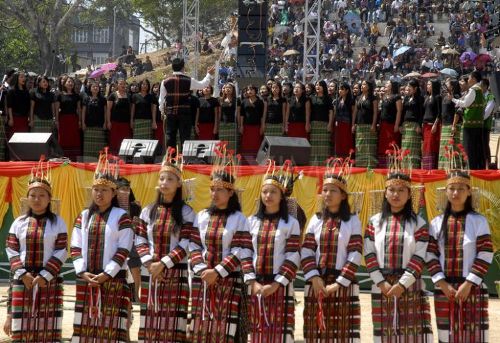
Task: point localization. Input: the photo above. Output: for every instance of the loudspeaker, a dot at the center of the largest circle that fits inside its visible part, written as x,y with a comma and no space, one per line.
139,151
280,149
199,152
29,146
495,86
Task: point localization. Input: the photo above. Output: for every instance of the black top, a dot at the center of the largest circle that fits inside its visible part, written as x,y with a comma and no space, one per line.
252,111
320,108
447,111
432,108
365,110
68,103
227,109
143,105
120,112
194,103
94,111
207,109
19,101
343,111
389,110
412,109
43,103
298,109
275,110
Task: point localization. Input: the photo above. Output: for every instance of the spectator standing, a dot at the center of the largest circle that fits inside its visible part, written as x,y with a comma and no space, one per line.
93,122
450,128
68,119
321,123
298,113
42,112
411,134
18,104
276,111
228,128
390,120
118,115
365,126
143,112
431,127
252,121
344,107
489,110
208,118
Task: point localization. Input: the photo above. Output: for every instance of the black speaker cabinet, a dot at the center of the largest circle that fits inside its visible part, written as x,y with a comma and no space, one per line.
199,151
298,150
139,151
29,146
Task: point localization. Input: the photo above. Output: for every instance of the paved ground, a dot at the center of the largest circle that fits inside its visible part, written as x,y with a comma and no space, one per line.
366,323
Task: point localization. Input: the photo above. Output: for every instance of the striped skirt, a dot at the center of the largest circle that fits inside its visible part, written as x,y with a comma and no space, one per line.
430,147
407,319
467,322
343,139
164,306
297,130
142,129
119,131
229,134
273,129
219,313
206,131
366,146
251,139
94,140
321,143
340,314
37,314
69,135
386,136
446,136
102,313
412,141
42,125
272,319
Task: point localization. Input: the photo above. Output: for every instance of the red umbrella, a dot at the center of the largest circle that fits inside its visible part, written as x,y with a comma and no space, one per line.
429,75
483,58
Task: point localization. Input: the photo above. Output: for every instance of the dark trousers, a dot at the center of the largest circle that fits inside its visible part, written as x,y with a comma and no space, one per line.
486,145
181,124
473,145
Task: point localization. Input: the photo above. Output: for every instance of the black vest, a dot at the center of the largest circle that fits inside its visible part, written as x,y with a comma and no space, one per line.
178,89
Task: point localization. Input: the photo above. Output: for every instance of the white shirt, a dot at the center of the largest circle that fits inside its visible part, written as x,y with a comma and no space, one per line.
490,106
468,99
195,85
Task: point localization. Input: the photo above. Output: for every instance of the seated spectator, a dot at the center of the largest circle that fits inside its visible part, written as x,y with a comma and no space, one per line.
207,47
147,65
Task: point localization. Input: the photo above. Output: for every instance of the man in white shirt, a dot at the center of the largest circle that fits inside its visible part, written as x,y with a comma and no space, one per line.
489,110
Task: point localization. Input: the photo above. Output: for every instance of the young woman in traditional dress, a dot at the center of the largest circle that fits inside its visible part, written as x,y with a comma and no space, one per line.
143,111
276,246
163,232
298,117
68,119
331,254
365,126
276,111
343,118
208,119
431,126
411,130
42,111
221,257
390,120
321,124
36,248
459,254
18,104
396,242
450,129
118,114
252,121
228,126
101,241
93,122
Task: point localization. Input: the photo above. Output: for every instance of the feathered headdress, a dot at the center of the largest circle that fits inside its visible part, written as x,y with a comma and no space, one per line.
107,170
41,176
457,166
225,166
399,167
281,177
173,163
338,172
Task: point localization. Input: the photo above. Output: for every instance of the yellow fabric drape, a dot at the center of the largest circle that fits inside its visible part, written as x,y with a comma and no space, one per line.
4,206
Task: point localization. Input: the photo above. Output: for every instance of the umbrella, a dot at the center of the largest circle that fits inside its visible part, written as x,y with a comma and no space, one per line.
449,72
291,52
31,73
429,75
472,56
483,58
450,51
103,69
350,18
412,74
401,51
82,72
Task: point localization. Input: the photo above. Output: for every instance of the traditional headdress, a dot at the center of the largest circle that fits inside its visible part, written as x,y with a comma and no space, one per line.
224,168
338,172
281,177
107,170
457,166
399,167
173,163
41,176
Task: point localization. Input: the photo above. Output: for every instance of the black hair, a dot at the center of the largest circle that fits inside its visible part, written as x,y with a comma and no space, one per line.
344,208
48,212
414,84
282,213
233,205
476,75
485,82
146,81
435,88
394,87
370,89
455,88
177,64
15,80
177,205
408,214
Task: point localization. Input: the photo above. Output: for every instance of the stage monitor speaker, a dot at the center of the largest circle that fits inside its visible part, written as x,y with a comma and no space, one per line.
280,149
495,86
139,151
199,152
29,146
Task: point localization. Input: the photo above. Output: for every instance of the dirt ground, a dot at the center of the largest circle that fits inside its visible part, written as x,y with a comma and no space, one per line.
366,322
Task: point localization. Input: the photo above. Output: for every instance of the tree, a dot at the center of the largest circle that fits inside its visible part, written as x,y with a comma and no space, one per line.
46,20
17,46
